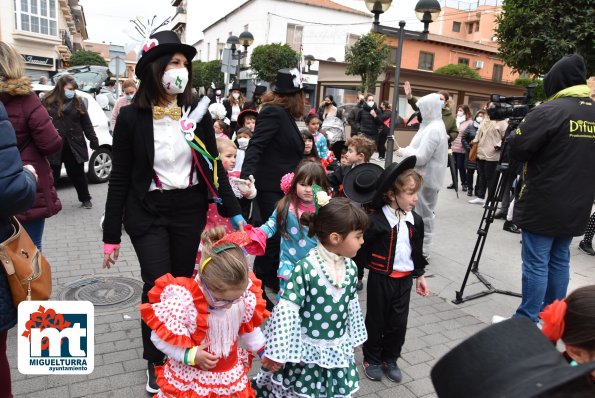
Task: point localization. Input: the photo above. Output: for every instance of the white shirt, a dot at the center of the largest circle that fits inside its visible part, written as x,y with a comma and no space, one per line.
173,156
235,111
403,261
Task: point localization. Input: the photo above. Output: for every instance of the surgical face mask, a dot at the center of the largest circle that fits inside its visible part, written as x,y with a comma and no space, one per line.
243,142
236,95
218,93
370,103
460,113
129,97
479,119
442,103
175,80
69,94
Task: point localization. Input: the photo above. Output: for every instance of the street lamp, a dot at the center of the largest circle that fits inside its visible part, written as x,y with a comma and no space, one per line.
426,11
245,40
309,59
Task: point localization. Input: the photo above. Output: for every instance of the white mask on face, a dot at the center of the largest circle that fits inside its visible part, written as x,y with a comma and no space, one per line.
370,104
442,103
129,97
460,113
236,95
175,80
479,119
243,142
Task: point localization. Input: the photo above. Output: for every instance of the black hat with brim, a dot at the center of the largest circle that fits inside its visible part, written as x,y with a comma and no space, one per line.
288,82
336,148
388,177
509,359
244,113
260,90
361,181
162,43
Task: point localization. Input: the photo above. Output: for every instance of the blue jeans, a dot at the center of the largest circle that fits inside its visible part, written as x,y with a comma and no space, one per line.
546,263
35,230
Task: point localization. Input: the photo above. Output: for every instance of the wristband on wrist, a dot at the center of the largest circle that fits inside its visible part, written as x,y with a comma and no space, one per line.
260,352
109,248
192,355
185,360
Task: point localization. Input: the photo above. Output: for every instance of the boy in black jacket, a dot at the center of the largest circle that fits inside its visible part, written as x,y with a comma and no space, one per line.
392,251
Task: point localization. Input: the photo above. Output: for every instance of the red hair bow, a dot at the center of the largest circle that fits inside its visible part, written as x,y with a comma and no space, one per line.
553,320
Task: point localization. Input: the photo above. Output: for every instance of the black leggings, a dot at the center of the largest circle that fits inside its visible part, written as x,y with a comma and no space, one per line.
590,231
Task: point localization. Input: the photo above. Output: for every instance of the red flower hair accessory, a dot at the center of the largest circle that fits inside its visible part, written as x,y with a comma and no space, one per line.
286,181
553,320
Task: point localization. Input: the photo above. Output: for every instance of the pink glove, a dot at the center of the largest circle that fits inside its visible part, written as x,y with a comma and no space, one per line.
109,248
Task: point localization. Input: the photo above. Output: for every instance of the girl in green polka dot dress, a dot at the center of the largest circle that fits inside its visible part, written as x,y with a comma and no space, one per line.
317,323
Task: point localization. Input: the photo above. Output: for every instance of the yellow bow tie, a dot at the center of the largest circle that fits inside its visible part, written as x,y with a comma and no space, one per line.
160,112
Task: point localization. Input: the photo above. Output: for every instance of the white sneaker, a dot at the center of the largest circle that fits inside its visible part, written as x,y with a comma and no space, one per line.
477,201
498,319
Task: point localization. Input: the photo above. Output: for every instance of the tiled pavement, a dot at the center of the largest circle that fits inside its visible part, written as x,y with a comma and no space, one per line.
72,243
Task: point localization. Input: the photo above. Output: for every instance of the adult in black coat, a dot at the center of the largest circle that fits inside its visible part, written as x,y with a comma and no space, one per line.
275,150
157,188
369,118
17,193
71,119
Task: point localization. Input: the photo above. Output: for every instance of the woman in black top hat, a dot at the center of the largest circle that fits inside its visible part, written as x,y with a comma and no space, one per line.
256,98
275,149
159,186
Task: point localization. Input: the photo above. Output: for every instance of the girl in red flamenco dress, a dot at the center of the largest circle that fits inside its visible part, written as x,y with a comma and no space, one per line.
199,322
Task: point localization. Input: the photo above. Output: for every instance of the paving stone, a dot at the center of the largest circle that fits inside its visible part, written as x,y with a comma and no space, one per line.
399,391
421,387
119,356
416,357
89,387
103,371
30,384
128,379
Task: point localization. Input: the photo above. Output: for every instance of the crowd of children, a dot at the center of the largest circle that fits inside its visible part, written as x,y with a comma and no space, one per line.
333,222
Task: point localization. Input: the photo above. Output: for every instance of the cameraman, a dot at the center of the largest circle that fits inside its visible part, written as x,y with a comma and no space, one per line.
556,142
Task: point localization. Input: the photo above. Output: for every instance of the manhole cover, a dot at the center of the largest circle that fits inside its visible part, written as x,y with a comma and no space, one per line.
106,294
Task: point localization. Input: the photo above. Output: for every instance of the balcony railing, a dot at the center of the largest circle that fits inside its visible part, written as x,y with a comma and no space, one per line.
66,40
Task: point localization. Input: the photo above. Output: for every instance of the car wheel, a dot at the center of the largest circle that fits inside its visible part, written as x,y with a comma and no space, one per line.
100,165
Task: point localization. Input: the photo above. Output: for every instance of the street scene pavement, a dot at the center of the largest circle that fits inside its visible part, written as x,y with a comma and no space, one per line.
73,241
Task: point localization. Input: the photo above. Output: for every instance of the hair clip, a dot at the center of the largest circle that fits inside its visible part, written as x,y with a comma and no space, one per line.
553,320
204,264
286,181
223,248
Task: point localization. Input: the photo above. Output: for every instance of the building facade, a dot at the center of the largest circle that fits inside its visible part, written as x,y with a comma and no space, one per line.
110,51
45,32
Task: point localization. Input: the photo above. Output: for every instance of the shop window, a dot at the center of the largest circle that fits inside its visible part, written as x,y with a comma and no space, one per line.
456,26
37,16
426,61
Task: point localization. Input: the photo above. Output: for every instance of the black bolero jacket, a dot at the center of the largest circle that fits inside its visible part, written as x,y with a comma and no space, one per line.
275,150
132,173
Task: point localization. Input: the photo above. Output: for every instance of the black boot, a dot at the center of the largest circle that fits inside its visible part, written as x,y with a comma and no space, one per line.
511,227
152,385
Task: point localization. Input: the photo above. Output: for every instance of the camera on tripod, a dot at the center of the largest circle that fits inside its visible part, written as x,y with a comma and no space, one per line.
512,108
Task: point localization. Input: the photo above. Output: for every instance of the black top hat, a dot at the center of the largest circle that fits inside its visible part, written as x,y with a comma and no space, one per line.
360,182
288,82
235,86
162,43
244,113
507,360
259,90
336,148
388,177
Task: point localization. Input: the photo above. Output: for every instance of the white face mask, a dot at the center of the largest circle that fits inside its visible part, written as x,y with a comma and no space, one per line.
479,119
442,103
175,80
460,113
129,97
236,95
243,142
370,104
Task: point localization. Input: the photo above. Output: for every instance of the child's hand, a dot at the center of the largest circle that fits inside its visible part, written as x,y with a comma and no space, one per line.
271,365
205,360
421,286
246,187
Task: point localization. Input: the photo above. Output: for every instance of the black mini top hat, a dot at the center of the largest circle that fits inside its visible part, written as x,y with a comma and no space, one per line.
510,359
259,90
388,177
336,148
244,113
235,86
361,181
159,44
289,81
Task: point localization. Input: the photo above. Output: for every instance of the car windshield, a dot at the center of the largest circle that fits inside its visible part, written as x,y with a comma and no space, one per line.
88,80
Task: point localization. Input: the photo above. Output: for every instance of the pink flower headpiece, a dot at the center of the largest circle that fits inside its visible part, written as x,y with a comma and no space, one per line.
286,181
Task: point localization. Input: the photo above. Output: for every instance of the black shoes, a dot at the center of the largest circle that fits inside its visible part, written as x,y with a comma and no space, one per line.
470,192
586,247
392,371
152,385
373,371
451,186
511,227
87,204
499,215
360,285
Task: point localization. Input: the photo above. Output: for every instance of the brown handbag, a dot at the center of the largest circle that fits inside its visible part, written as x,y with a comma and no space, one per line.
27,270
473,152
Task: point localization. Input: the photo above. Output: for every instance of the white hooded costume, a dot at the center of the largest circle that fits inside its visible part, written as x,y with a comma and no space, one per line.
430,146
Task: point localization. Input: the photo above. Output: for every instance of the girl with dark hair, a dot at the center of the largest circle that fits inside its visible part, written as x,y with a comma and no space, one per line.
295,242
276,149
160,186
317,323
313,126
310,150
71,119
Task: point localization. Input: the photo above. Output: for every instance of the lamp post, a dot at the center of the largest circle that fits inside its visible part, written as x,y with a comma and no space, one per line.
245,40
426,11
309,59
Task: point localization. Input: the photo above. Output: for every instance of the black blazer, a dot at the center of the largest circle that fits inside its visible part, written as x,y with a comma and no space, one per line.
132,173
275,150
378,251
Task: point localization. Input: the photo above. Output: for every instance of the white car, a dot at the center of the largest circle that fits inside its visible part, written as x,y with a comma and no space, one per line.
99,166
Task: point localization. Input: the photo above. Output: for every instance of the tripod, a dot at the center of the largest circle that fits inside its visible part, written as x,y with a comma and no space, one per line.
495,195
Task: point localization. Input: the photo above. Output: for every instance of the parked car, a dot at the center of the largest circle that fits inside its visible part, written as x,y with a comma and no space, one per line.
99,166
90,78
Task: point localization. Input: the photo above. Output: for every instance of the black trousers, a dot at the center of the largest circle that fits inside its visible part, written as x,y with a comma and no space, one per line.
265,267
169,245
381,142
487,171
75,171
386,317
